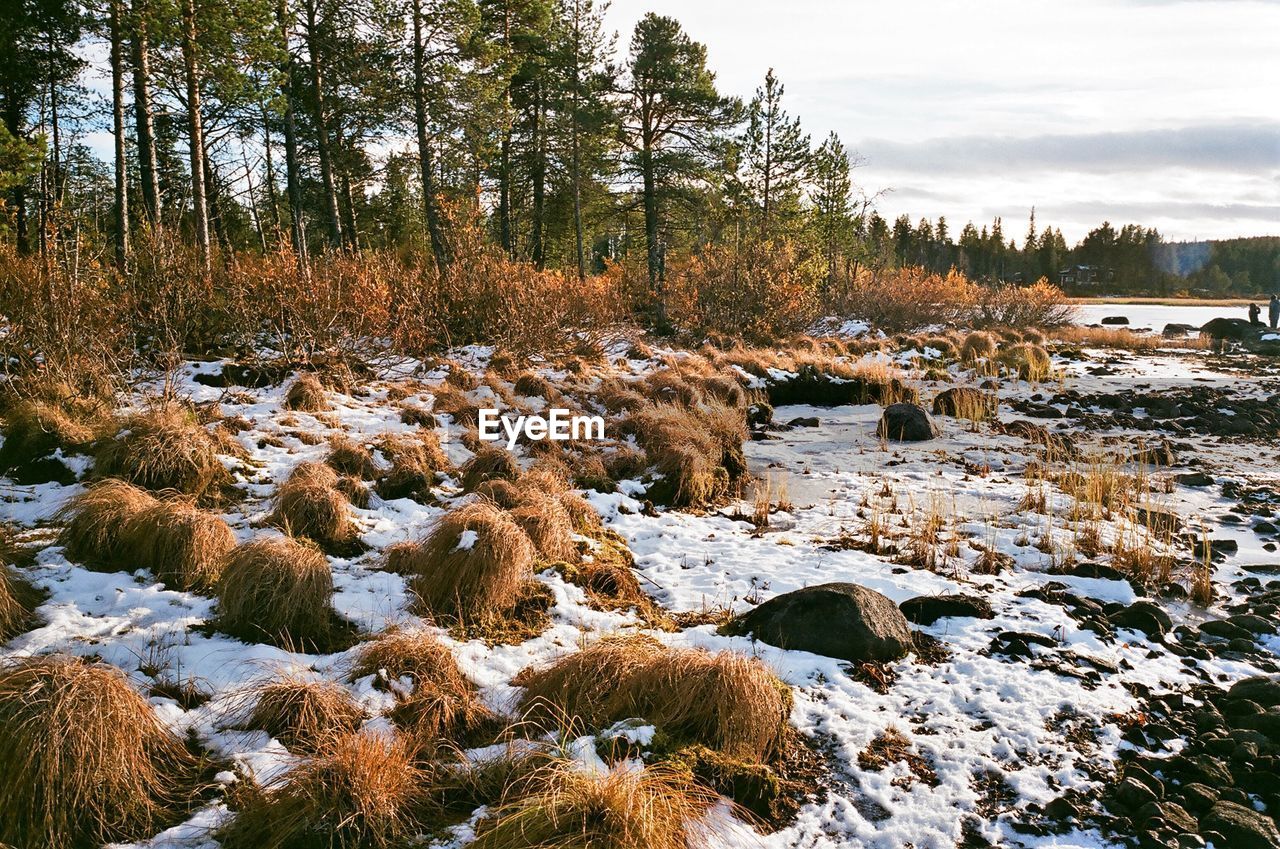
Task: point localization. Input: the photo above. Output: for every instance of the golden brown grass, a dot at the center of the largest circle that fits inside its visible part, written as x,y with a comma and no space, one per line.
698,451
1031,362
564,806
360,791
533,385
310,504
440,704
83,758
727,701
414,463
34,427
978,345
302,713
164,448
277,590
1125,339
95,523
348,457
306,395
473,565
491,462
182,545
546,521
18,601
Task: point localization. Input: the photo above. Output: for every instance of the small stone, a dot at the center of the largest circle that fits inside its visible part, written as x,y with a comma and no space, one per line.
1241,827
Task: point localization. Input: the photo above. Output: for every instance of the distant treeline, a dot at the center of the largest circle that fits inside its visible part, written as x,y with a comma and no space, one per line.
1128,260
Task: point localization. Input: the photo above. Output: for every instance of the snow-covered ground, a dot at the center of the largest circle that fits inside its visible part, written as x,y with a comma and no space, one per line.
999,731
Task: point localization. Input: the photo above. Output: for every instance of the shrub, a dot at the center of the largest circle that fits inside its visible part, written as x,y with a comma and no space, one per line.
181,545
726,701
360,790
1039,305
910,298
306,395
491,462
278,590
761,290
83,758
303,713
564,806
473,564
164,448
96,521
309,504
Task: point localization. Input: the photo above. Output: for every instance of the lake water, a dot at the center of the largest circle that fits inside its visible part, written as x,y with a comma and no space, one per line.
1156,316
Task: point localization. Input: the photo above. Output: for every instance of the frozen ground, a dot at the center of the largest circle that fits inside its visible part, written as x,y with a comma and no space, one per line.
1001,732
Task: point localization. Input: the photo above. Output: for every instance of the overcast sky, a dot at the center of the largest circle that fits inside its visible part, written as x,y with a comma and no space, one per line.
1161,113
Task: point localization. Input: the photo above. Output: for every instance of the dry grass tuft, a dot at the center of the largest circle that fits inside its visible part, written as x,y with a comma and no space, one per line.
414,463
439,703
542,515
348,457
360,790
503,493
1031,362
1124,339
533,385
96,519
564,806
164,448
492,462
18,601
183,546
697,451
83,758
278,590
310,504
35,427
727,701
302,712
306,395
473,565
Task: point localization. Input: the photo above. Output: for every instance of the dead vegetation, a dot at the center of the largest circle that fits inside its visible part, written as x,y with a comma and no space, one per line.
474,564
181,545
306,395
164,448
95,521
490,463
302,713
310,504
359,790
18,601
277,590
727,701
438,703
83,758
562,806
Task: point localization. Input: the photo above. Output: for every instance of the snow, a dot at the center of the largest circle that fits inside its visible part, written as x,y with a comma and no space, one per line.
973,714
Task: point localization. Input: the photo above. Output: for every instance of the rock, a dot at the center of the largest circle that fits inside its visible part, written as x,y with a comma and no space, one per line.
1155,455
906,422
1195,479
927,609
1114,320
1243,828
965,402
839,620
1236,329
803,421
1145,616
1224,629
759,414
1176,331
1265,690
1133,794
1252,624
1198,797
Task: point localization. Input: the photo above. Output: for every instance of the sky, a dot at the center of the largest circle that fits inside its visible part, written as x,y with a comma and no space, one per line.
1155,112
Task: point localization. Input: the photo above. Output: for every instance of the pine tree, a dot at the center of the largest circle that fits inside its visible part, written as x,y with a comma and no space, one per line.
831,198
775,154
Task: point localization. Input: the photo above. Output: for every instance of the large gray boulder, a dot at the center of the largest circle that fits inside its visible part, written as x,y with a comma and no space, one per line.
906,422
840,620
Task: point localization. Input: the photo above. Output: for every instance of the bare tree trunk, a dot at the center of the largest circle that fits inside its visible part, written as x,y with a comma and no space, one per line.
213,193
537,245
273,197
293,178
144,121
253,202
13,123
349,229
439,248
117,126
576,160
322,129
195,122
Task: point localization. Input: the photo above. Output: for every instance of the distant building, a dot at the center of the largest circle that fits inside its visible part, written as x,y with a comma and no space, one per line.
1086,275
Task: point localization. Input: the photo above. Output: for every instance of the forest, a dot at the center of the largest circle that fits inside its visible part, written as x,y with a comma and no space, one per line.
399,137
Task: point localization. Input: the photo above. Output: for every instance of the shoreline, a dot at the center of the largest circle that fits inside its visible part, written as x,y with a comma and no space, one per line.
1119,300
